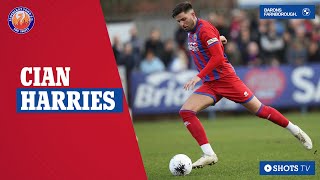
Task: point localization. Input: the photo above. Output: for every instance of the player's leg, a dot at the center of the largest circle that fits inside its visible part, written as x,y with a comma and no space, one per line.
234,89
265,112
195,103
188,113
271,114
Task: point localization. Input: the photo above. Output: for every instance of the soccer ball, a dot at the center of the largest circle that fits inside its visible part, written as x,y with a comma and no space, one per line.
180,165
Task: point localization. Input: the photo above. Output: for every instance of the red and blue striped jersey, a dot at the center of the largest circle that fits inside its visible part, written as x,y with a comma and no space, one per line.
207,52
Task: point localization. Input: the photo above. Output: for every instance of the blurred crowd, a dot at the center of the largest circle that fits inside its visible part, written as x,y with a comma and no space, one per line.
153,54
251,42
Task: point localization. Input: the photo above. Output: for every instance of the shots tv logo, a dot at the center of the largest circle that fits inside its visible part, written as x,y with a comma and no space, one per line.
21,20
287,168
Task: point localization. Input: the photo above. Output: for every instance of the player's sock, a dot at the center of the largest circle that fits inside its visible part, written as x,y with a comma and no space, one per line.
207,149
194,126
293,128
273,115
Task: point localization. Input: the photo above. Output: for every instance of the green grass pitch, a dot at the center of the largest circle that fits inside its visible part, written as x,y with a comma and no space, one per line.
240,142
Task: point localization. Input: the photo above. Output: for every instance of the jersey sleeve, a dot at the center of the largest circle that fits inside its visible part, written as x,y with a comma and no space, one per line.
211,39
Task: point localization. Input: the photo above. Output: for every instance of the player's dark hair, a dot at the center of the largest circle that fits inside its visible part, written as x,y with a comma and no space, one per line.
181,7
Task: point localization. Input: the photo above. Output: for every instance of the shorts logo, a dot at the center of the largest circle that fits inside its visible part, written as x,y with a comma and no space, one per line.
246,94
186,123
21,20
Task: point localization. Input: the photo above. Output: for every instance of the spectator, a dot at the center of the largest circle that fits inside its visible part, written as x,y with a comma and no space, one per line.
300,35
243,41
168,53
262,29
116,47
293,24
212,18
315,34
154,43
273,61
254,27
279,27
127,58
181,38
296,54
287,38
233,54
237,17
219,22
308,26
253,58
180,62
136,44
272,44
151,63
314,52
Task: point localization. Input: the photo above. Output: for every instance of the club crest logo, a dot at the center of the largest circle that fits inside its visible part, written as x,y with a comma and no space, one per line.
21,20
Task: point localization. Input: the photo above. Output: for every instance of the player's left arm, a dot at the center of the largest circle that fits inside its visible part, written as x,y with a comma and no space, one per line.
210,39
223,39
